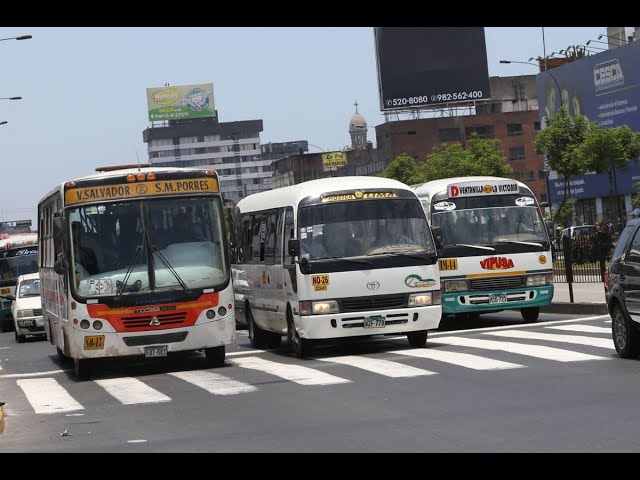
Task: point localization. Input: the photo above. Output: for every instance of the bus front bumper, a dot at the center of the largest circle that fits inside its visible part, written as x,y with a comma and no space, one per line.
496,300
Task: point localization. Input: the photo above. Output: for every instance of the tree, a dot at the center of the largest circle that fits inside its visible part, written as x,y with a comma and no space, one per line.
564,215
559,140
606,149
482,157
403,168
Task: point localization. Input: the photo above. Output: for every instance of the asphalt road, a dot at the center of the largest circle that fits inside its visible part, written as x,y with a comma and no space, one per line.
553,386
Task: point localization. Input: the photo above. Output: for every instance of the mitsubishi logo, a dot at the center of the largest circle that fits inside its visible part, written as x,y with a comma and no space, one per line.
373,285
155,322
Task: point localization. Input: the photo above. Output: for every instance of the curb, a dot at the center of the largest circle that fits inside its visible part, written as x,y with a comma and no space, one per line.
576,308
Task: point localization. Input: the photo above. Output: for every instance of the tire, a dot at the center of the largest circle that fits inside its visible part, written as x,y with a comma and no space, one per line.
82,368
530,314
257,336
19,338
301,347
62,358
626,338
417,339
215,356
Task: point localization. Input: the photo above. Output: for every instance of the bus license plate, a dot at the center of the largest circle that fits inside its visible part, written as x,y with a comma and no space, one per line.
26,323
498,298
94,342
155,351
374,322
5,291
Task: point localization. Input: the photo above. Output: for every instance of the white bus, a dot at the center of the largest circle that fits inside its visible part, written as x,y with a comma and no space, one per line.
335,258
497,253
133,262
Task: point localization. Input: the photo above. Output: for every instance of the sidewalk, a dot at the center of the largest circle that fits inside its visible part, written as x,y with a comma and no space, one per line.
588,298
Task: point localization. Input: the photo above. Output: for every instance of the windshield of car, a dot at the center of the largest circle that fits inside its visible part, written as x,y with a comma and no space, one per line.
367,227
115,246
29,288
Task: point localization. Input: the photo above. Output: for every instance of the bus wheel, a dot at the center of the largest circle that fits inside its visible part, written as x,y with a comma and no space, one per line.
530,314
256,334
82,368
301,347
215,356
417,339
19,338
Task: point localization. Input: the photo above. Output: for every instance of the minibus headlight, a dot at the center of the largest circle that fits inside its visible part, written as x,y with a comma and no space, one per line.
305,308
455,286
322,308
537,280
420,299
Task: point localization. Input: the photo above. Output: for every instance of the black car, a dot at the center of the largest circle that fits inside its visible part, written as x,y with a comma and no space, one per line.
622,284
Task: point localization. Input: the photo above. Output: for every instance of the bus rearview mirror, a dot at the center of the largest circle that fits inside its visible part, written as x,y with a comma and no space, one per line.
59,265
437,237
294,247
60,235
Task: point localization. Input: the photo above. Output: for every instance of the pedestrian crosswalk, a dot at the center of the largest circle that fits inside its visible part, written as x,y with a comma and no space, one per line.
250,372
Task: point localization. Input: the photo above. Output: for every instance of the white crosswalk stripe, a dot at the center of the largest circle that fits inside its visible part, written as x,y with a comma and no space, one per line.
466,360
130,391
46,395
583,328
295,373
379,366
214,382
552,337
537,351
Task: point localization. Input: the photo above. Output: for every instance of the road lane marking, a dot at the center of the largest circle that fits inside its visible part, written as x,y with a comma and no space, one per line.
537,351
552,337
248,352
466,360
130,391
295,373
583,328
36,374
46,395
214,382
382,367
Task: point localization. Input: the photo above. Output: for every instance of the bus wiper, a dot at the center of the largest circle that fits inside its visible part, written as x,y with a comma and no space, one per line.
419,254
122,285
521,243
474,246
156,251
347,259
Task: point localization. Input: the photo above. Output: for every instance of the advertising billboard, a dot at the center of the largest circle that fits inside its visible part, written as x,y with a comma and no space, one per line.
180,102
603,87
332,160
429,66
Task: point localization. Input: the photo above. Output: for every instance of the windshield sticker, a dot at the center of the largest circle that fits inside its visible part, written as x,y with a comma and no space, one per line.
525,201
358,195
303,235
448,264
496,263
100,286
320,282
474,189
416,281
446,206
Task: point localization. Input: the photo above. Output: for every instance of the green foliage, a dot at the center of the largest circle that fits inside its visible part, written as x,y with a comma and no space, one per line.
635,200
603,149
482,157
403,168
564,215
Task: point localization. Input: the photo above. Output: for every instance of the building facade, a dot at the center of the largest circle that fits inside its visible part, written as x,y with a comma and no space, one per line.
233,149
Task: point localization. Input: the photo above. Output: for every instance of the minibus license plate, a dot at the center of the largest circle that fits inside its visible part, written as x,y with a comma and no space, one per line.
155,351
498,298
26,323
374,322
94,342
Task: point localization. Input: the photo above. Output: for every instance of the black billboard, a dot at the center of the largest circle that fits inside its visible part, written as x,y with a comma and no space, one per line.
427,66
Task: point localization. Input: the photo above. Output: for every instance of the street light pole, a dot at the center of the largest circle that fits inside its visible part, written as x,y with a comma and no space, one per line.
21,37
2,123
10,98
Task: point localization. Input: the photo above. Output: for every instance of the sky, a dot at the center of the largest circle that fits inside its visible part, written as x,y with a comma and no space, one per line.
84,89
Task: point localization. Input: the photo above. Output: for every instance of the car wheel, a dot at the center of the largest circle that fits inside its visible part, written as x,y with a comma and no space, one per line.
19,338
301,347
256,334
625,336
530,314
417,339
215,356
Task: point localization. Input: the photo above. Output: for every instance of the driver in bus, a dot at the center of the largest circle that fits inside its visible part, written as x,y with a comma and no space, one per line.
84,257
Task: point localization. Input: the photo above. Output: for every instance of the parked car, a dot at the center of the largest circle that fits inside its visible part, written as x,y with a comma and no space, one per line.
622,285
27,307
6,320
588,243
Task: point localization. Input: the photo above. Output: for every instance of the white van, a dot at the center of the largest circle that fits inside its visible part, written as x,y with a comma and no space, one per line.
27,307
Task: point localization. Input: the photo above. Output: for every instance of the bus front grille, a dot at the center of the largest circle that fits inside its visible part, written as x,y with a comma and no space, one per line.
496,282
374,302
165,319
141,340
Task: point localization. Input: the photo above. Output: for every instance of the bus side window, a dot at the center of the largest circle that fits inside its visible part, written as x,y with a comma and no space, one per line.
244,255
288,233
270,237
278,246
257,240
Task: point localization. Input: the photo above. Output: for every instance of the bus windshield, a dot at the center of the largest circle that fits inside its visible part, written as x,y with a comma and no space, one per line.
485,226
16,262
358,228
146,245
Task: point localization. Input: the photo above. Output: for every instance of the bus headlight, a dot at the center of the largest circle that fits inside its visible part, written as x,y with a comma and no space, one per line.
322,308
455,286
420,299
538,280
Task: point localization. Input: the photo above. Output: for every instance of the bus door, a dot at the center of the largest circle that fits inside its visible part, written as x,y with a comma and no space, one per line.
275,296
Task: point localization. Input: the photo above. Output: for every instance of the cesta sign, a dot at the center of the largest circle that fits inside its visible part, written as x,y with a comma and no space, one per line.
476,189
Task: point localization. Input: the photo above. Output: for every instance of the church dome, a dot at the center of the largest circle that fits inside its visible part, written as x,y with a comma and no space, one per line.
357,123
